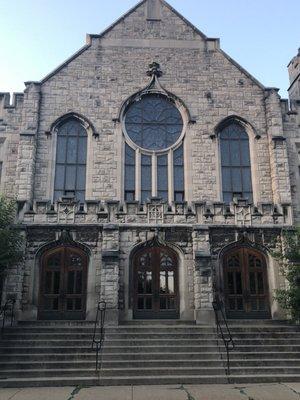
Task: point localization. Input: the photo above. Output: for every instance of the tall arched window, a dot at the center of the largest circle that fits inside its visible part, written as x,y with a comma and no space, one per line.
70,168
154,164
235,163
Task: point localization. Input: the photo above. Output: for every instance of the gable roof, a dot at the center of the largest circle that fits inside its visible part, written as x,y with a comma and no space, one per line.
195,29
129,12
100,35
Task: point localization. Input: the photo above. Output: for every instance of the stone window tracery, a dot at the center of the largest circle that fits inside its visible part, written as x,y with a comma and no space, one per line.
153,122
154,164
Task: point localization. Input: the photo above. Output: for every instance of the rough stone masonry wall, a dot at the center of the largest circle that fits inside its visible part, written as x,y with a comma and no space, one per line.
18,127
97,82
10,119
291,118
292,134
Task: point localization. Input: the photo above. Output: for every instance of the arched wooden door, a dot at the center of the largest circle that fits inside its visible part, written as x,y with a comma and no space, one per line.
246,284
155,284
63,282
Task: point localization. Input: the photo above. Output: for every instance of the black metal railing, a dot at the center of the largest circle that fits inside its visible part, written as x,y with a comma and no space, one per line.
99,332
223,330
7,312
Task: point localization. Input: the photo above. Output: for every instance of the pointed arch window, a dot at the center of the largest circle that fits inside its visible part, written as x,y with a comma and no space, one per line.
154,164
70,167
235,163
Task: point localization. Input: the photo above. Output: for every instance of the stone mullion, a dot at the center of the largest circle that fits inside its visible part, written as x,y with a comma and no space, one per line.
170,177
154,174
138,182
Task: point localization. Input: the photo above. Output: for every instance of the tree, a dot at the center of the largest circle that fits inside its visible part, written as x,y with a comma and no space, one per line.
11,239
288,255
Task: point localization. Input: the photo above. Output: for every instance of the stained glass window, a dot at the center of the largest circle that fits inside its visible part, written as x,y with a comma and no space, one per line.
153,122
70,171
178,174
235,160
146,184
129,173
162,177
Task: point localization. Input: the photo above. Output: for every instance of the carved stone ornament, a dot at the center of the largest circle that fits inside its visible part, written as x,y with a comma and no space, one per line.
154,70
65,237
155,213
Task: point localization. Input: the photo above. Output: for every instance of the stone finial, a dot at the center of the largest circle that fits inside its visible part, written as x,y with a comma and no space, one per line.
154,70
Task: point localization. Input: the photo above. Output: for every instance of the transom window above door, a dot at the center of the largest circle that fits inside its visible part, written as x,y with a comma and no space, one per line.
153,128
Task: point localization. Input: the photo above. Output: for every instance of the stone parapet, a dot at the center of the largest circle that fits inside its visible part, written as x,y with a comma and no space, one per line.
239,213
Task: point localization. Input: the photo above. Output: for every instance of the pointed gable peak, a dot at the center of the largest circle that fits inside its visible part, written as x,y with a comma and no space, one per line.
153,10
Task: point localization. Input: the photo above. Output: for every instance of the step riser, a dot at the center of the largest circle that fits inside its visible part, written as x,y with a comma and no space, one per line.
110,373
153,342
146,349
145,364
91,365
109,356
148,381
108,343
288,357
152,336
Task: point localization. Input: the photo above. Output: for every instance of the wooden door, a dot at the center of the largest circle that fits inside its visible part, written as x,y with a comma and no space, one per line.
246,284
63,284
155,284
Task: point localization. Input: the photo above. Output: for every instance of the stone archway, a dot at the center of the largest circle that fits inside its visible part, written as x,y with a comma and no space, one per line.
63,283
245,283
155,283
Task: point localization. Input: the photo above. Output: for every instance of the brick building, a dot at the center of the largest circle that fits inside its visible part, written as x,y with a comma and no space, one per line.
152,171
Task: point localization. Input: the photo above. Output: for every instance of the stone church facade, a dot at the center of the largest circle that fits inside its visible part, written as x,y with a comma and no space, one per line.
153,172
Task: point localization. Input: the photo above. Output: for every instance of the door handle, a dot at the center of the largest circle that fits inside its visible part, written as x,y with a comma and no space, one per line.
246,296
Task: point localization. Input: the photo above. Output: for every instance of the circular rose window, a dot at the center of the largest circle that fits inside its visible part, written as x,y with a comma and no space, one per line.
153,122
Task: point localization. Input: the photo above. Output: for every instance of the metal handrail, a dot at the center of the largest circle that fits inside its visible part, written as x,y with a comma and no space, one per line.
99,331
226,336
9,304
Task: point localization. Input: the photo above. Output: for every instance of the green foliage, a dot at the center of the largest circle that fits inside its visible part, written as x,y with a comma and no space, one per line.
11,240
288,255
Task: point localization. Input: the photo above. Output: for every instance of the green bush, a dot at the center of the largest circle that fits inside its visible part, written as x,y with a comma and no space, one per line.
288,255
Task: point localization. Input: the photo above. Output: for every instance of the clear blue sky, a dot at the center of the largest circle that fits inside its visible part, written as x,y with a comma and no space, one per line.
38,35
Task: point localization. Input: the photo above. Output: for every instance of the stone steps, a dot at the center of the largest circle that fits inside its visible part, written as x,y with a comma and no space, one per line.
47,353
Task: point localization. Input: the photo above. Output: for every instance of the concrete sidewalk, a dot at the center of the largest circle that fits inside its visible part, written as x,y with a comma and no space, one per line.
271,391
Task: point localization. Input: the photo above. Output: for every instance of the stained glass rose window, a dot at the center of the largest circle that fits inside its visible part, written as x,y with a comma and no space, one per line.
153,122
